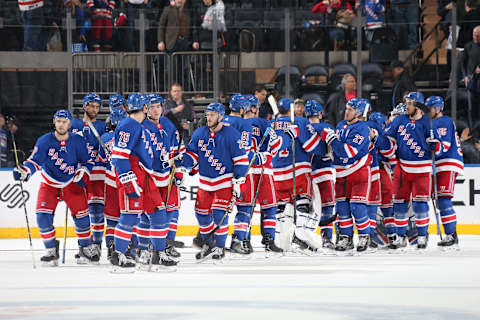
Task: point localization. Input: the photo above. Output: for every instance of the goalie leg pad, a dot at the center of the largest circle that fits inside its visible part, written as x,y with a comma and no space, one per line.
285,228
421,216
359,212
447,213
400,211
345,218
143,232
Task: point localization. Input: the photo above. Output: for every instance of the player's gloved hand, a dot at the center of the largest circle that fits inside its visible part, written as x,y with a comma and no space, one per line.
329,155
239,186
328,135
434,144
178,179
373,135
129,182
293,131
80,178
261,158
21,173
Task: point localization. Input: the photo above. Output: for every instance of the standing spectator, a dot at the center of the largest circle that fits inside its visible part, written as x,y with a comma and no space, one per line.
405,20
444,10
174,29
470,21
471,71
13,127
336,102
375,17
470,146
403,82
204,23
299,109
265,110
3,142
133,9
34,34
102,25
182,110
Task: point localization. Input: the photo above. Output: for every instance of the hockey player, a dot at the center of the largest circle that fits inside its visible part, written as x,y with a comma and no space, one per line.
323,172
112,209
91,107
352,160
164,137
262,175
64,164
115,101
412,177
222,163
448,164
132,157
287,170
239,242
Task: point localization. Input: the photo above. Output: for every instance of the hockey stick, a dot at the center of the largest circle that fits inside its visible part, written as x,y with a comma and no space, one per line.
95,133
254,201
294,195
24,202
65,235
435,196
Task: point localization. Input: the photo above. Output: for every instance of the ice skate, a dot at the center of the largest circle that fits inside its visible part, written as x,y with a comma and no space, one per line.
204,254
344,245
144,259
162,262
98,248
121,263
326,241
396,242
175,243
449,242
422,242
363,242
198,241
218,254
172,252
240,247
110,249
301,247
50,259
87,255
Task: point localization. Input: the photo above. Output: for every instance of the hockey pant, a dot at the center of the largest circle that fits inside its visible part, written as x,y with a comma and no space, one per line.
76,200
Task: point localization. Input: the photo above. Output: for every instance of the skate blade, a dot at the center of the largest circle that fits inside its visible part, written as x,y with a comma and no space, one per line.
50,264
346,253
120,270
239,256
82,260
273,255
218,261
163,269
451,248
142,267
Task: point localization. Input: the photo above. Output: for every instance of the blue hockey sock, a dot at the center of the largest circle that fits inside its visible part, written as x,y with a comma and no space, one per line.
241,222
205,223
269,221
345,218
111,224
143,232
447,213
82,229
389,220
47,231
158,229
123,231
400,211
327,212
359,212
372,216
222,232
173,224
97,221
421,216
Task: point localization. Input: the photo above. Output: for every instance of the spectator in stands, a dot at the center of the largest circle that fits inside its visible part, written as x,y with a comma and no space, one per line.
471,71
174,29
405,20
182,110
204,23
340,18
3,142
102,23
34,33
265,110
403,82
335,107
374,17
133,10
299,107
444,10
470,146
470,21
13,127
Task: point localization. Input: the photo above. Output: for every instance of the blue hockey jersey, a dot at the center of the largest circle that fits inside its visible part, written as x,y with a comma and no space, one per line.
93,146
322,168
220,156
132,147
351,151
258,126
105,161
59,160
165,139
409,136
451,155
307,142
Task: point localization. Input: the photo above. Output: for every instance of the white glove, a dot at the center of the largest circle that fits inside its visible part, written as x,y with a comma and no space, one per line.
237,183
373,135
129,181
178,181
328,135
292,131
261,158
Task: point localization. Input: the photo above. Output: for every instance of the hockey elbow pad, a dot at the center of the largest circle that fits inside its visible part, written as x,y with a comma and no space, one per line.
129,182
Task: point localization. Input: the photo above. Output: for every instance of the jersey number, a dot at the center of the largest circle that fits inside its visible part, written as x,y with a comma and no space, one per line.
358,139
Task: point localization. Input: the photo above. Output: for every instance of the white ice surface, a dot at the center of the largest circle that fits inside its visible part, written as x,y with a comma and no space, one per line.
433,285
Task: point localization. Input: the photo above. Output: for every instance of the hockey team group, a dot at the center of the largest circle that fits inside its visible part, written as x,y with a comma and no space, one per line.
128,172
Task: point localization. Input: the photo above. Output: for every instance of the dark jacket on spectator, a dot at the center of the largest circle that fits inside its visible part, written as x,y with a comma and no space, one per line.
470,21
470,58
335,108
169,27
403,84
470,153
